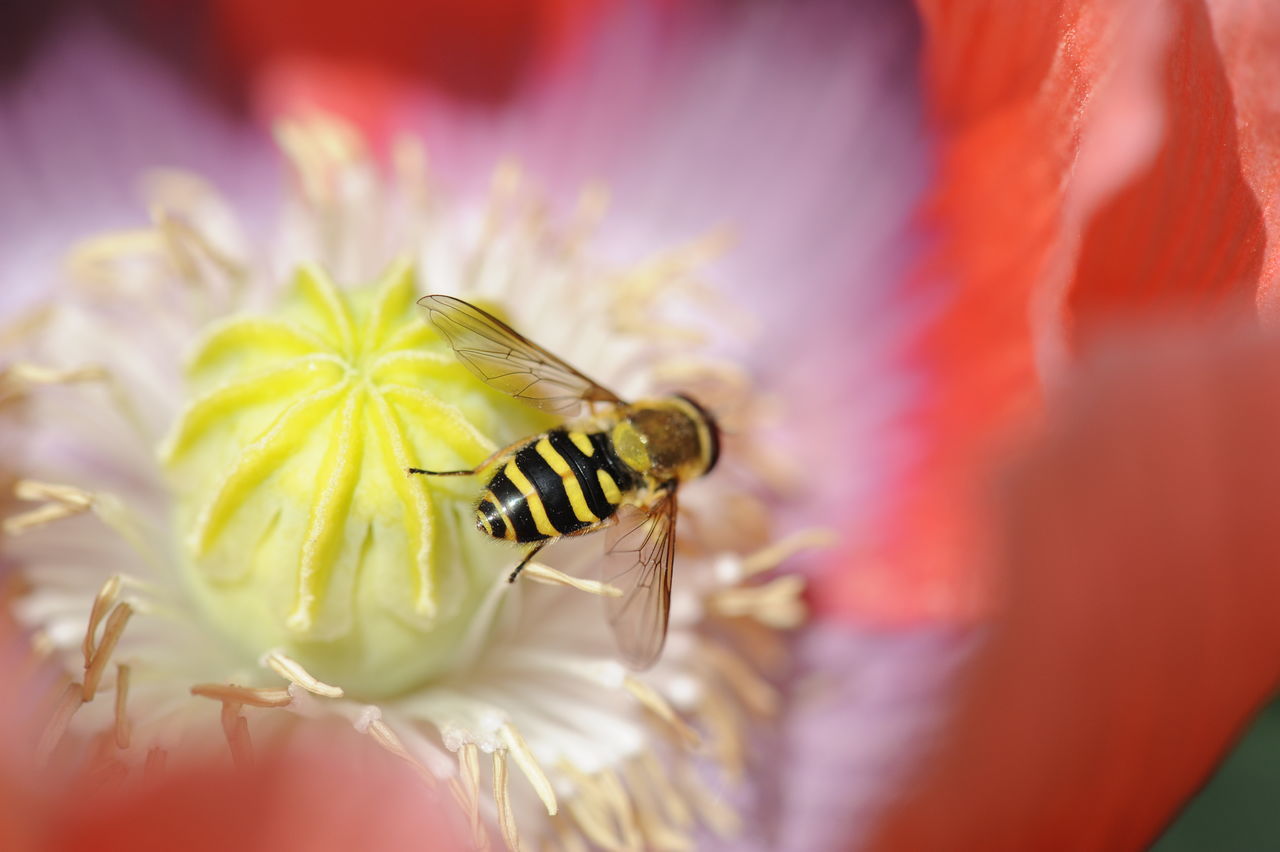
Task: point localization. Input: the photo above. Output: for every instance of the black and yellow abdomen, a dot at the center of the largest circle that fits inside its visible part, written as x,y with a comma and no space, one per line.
560,483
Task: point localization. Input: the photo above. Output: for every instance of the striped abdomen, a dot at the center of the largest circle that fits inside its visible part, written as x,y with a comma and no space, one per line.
560,483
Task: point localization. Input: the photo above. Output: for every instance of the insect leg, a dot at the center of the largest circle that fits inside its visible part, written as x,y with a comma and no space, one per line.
533,551
470,471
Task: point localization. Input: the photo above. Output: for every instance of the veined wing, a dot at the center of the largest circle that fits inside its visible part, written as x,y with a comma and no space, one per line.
640,552
508,361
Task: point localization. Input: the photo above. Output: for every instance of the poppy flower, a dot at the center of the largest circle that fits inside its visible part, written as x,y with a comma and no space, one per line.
210,413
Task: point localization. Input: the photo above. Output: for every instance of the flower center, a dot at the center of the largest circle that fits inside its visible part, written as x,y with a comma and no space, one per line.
302,531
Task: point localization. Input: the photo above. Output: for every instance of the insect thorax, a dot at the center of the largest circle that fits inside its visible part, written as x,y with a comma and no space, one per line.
665,439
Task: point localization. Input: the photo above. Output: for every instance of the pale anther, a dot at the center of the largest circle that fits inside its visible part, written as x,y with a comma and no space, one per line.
621,805
25,373
69,701
773,555
552,577
111,634
90,260
653,700
227,692
750,687
294,672
723,820
502,799
63,501
778,604
469,774
180,238
673,803
592,810
529,766
387,738
102,603
656,830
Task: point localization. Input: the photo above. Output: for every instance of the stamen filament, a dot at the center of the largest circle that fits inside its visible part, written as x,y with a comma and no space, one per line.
154,764
123,728
236,728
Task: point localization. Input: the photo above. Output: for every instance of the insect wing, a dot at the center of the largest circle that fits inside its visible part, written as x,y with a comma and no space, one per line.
510,362
640,552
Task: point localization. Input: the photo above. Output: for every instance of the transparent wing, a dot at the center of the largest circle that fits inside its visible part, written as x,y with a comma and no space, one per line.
640,551
510,362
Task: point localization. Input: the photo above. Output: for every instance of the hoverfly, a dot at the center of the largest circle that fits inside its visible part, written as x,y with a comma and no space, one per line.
619,469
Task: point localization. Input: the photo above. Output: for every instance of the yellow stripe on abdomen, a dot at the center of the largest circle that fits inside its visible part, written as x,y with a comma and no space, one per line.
609,487
572,488
582,442
534,500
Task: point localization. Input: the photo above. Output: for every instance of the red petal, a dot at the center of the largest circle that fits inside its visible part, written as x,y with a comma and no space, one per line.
1049,119
337,795
1139,630
1187,232
478,49
1248,35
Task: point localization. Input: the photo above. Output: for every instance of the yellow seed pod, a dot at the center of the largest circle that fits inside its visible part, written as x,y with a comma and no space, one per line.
301,529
